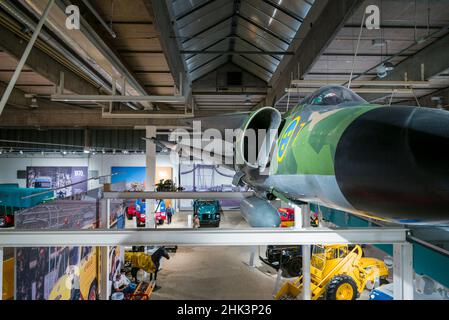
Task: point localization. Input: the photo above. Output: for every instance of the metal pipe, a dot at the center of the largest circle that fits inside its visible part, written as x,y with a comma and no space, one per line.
356,90
362,83
13,10
95,39
99,18
25,55
117,98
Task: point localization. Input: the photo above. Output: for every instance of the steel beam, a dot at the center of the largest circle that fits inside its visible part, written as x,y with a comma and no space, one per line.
44,65
16,98
24,57
117,98
356,90
178,195
386,83
189,237
403,271
306,279
235,52
146,115
53,114
164,27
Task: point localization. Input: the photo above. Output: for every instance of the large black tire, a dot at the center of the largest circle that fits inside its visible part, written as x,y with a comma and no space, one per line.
332,290
293,268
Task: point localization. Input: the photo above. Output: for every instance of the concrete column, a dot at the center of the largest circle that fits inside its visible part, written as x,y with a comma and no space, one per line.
306,293
305,215
277,284
104,273
1,273
298,217
403,271
150,161
252,256
104,219
306,251
104,252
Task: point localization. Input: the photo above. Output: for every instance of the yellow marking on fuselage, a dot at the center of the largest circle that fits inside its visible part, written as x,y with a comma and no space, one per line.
287,135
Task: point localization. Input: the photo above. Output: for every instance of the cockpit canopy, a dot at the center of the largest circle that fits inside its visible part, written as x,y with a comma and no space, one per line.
332,95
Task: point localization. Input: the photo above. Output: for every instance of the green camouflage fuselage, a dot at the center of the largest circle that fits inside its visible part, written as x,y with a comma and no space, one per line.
371,160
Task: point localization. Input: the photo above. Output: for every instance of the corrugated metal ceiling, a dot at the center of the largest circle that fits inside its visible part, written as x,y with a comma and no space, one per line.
232,28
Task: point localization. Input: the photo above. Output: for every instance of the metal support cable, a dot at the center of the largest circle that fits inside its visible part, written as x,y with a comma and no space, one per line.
356,50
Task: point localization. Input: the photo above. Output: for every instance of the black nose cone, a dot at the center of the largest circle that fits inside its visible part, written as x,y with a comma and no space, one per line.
394,161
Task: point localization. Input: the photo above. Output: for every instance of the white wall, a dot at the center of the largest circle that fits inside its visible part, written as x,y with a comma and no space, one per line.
9,165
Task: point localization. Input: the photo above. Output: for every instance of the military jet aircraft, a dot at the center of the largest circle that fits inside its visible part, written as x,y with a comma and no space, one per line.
337,150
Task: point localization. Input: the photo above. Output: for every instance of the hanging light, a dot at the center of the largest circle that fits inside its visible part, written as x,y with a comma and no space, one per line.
389,66
64,152
21,152
384,68
103,151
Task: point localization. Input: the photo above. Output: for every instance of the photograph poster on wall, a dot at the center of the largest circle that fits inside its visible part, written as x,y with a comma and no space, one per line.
75,178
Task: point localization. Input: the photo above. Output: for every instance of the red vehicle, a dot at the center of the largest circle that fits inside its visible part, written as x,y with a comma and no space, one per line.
161,217
140,219
6,220
161,213
139,211
287,216
130,212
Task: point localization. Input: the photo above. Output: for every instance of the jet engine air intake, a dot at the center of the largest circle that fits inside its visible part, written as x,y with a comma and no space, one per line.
257,138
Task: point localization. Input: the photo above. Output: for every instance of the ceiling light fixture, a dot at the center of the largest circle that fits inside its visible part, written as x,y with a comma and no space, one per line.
384,68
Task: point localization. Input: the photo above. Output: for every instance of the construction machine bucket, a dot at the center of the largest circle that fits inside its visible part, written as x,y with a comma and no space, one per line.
288,291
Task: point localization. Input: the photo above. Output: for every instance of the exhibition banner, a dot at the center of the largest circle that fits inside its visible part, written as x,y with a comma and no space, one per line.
57,273
128,178
71,180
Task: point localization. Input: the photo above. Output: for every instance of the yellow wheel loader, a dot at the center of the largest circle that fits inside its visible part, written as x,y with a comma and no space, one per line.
337,273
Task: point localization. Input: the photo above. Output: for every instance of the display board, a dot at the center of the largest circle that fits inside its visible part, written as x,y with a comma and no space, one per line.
128,178
116,263
57,177
58,273
133,178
